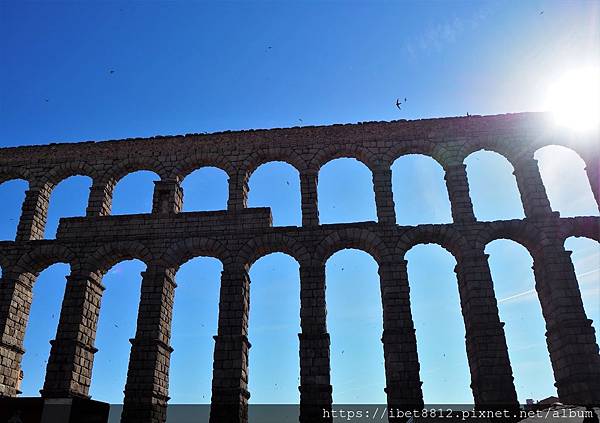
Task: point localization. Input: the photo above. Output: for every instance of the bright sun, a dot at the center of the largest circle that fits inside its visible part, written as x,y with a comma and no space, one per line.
574,99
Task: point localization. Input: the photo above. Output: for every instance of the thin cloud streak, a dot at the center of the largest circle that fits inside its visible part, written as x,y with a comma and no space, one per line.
512,297
531,291
581,275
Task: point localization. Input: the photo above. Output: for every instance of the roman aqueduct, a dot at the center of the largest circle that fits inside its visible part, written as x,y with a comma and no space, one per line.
167,237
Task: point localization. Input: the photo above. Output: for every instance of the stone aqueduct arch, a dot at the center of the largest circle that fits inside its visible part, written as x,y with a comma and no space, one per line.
166,238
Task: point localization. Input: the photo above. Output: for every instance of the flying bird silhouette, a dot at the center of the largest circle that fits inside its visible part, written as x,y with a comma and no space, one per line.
398,103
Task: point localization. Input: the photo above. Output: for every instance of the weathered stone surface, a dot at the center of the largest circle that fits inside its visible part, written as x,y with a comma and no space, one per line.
167,238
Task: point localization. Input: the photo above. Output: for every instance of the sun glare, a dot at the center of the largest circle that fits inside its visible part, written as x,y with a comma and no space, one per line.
574,99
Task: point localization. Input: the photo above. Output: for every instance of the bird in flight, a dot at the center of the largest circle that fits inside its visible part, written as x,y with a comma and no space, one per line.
111,71
398,103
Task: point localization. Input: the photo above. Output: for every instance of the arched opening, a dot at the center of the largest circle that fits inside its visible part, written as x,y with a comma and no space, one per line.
566,181
355,324
12,194
273,330
69,198
439,326
205,189
493,187
48,294
520,310
345,192
195,322
420,194
586,261
133,193
116,325
277,185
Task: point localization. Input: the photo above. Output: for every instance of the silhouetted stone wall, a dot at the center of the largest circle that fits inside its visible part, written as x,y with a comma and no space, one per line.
167,238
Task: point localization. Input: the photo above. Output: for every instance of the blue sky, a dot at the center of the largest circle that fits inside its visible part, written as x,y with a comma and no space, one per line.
183,67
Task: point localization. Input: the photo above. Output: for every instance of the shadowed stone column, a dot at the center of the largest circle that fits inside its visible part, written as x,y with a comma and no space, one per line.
384,197
230,365
69,369
100,201
168,197
238,191
569,333
533,194
403,385
308,191
34,214
147,387
315,386
457,185
15,303
491,373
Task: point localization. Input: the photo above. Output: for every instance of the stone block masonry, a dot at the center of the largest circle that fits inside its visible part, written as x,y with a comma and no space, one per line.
167,237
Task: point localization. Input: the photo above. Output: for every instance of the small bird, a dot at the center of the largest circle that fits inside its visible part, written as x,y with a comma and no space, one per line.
398,103
111,71
300,120
287,182
542,12
468,115
116,325
46,100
